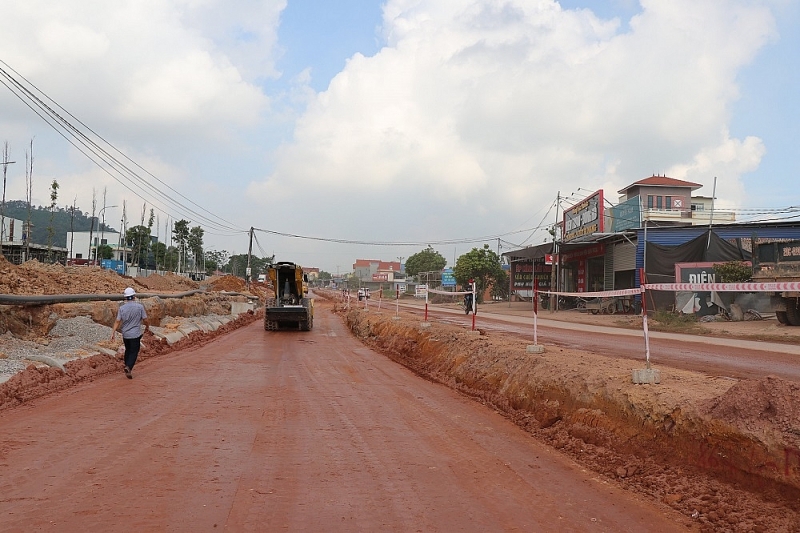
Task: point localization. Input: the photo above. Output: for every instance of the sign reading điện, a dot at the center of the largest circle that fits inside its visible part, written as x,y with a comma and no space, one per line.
584,218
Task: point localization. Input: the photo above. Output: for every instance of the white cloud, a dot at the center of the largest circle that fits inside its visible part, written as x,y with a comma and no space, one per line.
467,122
497,105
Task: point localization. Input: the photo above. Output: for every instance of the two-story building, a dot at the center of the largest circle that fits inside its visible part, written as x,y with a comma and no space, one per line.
598,248
81,248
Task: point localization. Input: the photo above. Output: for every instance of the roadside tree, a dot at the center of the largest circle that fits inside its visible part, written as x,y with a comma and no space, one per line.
483,266
428,260
137,239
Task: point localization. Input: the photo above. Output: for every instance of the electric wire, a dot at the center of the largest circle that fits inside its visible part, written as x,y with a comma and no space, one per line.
56,121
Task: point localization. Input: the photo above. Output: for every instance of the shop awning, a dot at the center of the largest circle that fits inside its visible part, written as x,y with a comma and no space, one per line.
529,253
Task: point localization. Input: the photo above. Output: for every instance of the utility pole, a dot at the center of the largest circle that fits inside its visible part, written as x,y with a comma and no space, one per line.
556,260
248,272
5,164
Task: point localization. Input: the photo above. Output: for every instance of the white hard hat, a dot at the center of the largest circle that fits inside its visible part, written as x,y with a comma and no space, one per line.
128,292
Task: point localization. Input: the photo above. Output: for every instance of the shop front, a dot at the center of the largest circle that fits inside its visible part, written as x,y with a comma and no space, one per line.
583,268
526,266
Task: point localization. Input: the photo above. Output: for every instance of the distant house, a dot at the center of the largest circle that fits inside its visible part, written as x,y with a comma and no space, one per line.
80,249
371,270
669,202
17,249
312,272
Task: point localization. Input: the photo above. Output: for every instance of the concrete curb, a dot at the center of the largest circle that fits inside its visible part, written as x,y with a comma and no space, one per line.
46,359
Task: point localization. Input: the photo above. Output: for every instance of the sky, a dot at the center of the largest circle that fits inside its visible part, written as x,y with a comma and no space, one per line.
363,129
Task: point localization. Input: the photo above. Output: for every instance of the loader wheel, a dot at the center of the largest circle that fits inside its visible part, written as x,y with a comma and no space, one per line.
782,318
792,312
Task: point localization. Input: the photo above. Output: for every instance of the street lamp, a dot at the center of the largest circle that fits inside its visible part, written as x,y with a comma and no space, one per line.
102,227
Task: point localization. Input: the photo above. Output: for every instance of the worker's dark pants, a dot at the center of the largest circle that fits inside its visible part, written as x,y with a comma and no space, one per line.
132,350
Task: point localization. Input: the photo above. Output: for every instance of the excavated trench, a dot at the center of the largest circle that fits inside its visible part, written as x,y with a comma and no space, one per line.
721,451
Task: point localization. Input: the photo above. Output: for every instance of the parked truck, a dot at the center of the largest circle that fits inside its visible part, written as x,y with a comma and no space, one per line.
780,262
290,308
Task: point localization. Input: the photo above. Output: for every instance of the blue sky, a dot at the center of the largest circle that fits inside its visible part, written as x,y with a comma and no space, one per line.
450,122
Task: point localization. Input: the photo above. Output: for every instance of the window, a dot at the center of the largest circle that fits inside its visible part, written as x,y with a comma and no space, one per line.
658,202
649,201
668,202
698,207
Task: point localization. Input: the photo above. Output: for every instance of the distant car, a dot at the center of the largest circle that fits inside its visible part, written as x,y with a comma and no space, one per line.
262,278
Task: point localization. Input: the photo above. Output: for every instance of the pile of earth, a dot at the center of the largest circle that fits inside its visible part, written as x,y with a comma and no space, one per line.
168,282
726,453
35,278
227,283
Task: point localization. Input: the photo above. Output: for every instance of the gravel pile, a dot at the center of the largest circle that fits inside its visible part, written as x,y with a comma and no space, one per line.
68,340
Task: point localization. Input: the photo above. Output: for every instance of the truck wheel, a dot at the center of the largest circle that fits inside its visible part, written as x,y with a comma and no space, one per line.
782,318
792,312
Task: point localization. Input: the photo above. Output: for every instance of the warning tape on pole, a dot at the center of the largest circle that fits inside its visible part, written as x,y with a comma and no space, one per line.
779,286
597,294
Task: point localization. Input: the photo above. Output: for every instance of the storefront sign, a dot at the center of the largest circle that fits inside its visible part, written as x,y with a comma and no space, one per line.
627,215
584,218
593,250
448,280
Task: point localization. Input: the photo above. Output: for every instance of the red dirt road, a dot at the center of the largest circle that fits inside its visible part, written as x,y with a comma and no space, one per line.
291,431
716,356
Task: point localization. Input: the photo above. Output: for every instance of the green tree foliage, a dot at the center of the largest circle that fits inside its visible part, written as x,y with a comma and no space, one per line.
325,276
428,260
137,239
238,265
195,246
159,251
482,265
180,234
216,260
50,227
500,286
733,272
40,220
104,251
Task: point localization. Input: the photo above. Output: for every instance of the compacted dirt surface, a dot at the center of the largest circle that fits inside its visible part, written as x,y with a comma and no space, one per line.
247,430
267,431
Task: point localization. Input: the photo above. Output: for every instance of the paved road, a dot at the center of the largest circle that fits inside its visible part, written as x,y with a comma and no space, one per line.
727,357
290,431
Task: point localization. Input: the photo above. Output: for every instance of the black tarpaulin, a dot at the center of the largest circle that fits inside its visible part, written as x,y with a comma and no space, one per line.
661,260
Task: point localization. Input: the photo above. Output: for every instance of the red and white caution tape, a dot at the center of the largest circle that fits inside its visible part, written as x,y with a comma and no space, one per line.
725,287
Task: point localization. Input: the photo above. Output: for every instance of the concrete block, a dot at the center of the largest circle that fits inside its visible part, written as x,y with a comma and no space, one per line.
237,308
425,325
187,328
46,359
534,348
473,332
104,351
172,337
649,376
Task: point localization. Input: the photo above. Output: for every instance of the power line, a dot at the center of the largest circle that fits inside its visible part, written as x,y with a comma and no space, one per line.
75,136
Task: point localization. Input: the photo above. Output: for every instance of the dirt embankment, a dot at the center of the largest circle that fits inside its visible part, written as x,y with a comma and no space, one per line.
690,441
33,324
33,277
39,380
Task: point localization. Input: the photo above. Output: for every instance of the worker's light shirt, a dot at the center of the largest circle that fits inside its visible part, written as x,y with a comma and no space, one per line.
130,315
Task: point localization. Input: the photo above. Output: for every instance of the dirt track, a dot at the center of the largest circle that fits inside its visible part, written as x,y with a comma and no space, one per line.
291,431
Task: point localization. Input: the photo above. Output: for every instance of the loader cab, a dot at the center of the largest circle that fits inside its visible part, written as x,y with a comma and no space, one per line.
287,280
